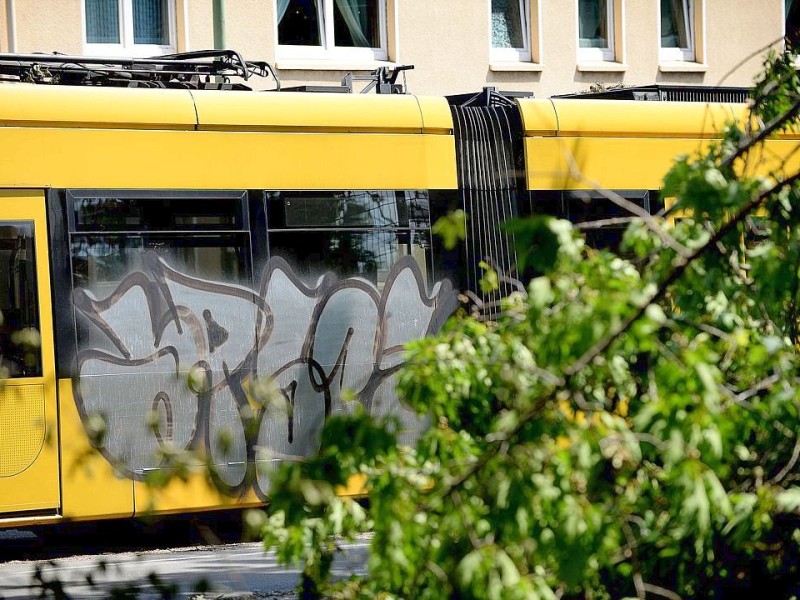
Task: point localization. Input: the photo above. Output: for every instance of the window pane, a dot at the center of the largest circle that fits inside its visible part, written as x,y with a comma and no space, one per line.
299,24
357,233
674,23
150,22
593,17
102,22
507,24
369,254
369,208
153,214
100,262
356,23
792,8
18,302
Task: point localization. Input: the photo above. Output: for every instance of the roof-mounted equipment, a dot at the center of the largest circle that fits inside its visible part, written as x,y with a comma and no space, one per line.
382,79
203,69
666,93
488,96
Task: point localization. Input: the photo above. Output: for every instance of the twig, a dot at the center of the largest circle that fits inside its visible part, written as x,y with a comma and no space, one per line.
600,223
789,466
753,54
660,591
763,133
762,385
631,207
680,265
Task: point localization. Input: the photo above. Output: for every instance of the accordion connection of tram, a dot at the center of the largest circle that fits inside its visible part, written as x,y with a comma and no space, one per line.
170,237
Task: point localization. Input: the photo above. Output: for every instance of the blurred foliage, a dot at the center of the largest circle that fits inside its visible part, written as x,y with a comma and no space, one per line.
628,429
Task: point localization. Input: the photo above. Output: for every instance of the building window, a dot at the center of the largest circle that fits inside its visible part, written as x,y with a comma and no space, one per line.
353,29
677,30
596,30
510,21
129,27
792,23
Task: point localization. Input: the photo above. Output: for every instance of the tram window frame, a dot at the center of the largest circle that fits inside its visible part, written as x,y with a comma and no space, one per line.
25,360
236,232
407,228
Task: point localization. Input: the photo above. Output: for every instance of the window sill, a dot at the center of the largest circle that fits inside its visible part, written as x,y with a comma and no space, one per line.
602,67
682,67
292,64
511,66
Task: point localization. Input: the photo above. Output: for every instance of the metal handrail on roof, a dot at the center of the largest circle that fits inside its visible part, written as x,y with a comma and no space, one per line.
203,69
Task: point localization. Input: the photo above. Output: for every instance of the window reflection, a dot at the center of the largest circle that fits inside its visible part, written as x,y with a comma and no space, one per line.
20,354
353,234
100,262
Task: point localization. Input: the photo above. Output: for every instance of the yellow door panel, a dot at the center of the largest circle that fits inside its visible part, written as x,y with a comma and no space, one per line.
21,427
28,409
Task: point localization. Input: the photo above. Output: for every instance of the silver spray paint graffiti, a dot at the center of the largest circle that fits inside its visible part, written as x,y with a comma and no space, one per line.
159,325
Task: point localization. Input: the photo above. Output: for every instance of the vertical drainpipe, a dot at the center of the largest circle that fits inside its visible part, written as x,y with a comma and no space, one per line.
219,24
11,26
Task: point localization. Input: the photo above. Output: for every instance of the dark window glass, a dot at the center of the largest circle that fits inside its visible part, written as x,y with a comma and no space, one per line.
583,207
356,23
156,214
357,233
593,18
299,23
102,21
150,22
356,209
20,354
674,24
793,23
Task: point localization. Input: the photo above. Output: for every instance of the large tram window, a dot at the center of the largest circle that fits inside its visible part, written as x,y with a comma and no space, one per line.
353,233
201,234
19,305
595,207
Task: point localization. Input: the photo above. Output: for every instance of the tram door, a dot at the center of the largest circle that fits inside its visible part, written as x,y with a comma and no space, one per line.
29,482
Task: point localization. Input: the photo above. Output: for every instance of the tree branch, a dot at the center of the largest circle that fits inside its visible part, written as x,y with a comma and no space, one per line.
681,264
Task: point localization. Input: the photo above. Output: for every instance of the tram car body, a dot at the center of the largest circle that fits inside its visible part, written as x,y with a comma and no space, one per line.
172,247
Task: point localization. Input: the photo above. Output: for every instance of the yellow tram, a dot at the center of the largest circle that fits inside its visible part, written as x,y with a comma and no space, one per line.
169,246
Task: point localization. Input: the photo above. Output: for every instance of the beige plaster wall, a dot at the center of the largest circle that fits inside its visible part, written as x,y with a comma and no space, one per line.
199,24
3,30
49,25
448,42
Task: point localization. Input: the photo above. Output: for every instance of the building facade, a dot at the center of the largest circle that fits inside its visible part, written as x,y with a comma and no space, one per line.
542,46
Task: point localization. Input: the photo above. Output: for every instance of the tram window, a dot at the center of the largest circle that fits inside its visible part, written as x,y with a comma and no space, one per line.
116,213
18,302
100,262
352,233
585,206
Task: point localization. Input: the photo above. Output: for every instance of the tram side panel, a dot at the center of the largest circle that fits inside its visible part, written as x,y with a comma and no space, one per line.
177,289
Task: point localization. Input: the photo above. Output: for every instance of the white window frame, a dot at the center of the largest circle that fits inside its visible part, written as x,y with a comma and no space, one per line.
327,50
606,54
127,47
688,54
514,54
